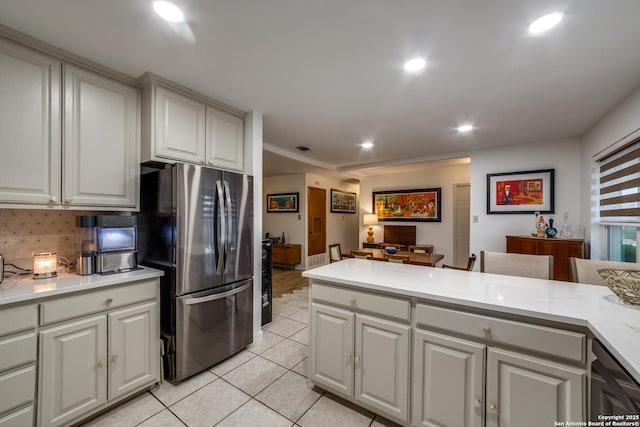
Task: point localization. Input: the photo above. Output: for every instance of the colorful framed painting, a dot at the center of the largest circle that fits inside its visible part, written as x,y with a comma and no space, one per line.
523,192
286,202
408,205
343,201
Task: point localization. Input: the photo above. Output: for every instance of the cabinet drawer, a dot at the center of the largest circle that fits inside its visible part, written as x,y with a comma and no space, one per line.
376,304
21,418
16,351
557,342
15,319
17,388
91,302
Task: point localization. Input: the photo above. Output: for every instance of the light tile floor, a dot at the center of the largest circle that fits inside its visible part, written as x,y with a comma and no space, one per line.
264,385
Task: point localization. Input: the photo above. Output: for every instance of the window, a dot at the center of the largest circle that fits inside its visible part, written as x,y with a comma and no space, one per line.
620,202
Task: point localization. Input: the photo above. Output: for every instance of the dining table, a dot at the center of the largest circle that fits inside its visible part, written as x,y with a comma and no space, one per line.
428,260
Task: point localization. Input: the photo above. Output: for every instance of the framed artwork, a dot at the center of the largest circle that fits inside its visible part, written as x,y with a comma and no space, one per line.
285,202
408,205
523,192
343,201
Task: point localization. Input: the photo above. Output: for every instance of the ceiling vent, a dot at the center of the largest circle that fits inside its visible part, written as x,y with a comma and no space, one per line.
303,148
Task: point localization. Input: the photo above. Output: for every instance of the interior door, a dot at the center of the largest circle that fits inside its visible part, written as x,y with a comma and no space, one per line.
462,196
317,221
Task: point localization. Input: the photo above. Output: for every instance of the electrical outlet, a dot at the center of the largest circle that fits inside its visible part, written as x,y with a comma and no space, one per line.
475,219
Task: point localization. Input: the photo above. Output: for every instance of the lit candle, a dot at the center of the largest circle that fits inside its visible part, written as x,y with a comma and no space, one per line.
44,265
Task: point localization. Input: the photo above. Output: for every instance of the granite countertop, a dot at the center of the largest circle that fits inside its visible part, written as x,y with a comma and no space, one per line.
24,288
614,323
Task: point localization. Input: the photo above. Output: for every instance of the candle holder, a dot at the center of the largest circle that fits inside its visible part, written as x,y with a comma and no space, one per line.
45,265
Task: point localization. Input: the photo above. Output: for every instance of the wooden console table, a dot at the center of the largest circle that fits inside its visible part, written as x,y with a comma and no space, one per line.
287,255
561,249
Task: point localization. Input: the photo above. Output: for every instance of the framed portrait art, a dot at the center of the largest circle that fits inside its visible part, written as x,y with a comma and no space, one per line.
523,192
408,205
285,202
343,201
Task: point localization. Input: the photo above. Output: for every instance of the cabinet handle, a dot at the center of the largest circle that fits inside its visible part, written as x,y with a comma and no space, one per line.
357,359
210,163
486,330
349,356
102,362
353,301
202,162
68,200
114,357
477,403
53,199
493,408
109,301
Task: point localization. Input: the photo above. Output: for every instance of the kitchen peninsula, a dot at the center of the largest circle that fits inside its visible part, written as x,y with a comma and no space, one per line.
426,345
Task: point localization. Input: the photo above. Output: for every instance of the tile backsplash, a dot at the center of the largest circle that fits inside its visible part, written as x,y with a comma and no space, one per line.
25,231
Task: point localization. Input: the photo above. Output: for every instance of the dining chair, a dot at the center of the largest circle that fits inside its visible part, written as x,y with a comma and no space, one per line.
362,255
523,265
421,249
470,263
586,270
335,254
401,259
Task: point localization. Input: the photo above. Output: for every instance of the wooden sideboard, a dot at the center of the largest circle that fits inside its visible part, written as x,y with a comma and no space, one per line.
287,255
561,249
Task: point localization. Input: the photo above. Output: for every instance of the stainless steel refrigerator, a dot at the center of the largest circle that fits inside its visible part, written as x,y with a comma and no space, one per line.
196,224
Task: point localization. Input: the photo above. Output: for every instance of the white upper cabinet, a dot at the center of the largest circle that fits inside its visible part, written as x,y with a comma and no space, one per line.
180,125
101,155
224,140
29,126
96,165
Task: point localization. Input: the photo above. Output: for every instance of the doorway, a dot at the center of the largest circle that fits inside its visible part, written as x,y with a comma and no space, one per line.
317,221
461,215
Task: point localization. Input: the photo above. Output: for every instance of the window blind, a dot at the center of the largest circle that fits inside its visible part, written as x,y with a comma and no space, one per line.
620,185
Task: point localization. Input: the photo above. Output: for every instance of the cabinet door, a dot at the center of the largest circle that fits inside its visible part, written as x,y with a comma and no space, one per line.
29,126
448,380
382,365
225,140
73,370
179,126
331,349
102,141
527,391
133,350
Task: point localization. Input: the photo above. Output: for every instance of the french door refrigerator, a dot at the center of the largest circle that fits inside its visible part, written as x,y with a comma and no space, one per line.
196,224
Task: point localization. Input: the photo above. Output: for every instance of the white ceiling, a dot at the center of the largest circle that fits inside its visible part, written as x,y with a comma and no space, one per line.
328,74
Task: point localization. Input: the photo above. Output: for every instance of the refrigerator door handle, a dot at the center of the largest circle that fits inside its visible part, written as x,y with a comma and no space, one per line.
192,301
227,248
223,229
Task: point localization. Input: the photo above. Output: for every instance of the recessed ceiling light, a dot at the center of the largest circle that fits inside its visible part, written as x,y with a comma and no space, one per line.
168,11
545,22
367,144
414,65
465,128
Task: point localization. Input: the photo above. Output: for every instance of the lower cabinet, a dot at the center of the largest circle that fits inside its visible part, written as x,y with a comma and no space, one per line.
88,362
451,374
361,357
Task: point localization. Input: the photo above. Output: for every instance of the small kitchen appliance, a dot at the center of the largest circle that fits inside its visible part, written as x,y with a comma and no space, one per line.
106,244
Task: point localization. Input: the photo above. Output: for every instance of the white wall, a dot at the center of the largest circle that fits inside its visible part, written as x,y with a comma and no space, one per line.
438,234
291,223
563,156
253,166
341,228
619,126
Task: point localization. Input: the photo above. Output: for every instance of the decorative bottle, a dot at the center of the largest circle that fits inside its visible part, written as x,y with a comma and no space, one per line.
282,240
551,231
565,231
